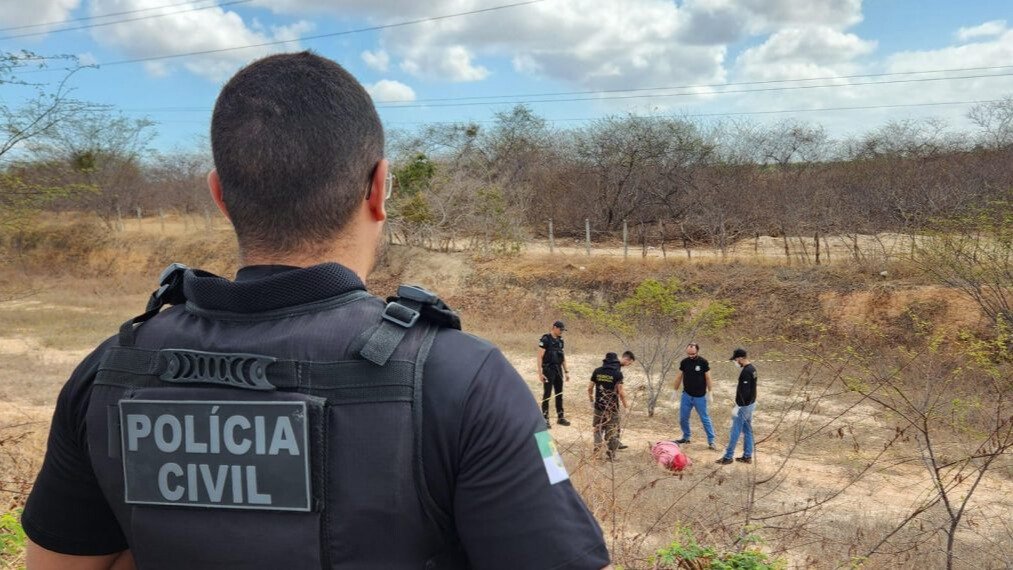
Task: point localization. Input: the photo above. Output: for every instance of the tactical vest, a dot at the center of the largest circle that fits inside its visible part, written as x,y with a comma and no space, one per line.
214,451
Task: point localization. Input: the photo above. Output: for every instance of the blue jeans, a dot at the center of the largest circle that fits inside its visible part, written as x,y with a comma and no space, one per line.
686,406
742,423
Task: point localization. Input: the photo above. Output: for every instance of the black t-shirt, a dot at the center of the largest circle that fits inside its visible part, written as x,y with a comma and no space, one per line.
553,350
481,457
745,393
606,387
693,370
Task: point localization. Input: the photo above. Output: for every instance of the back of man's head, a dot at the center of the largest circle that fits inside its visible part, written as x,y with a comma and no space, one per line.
295,140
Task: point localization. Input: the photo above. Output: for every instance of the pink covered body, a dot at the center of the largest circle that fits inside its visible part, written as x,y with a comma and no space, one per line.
670,456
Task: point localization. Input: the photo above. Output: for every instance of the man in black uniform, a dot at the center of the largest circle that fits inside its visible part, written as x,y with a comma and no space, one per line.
742,413
625,360
695,378
551,364
288,419
606,392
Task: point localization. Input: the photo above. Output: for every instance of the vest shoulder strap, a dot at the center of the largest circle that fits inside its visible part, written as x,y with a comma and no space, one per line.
402,313
169,292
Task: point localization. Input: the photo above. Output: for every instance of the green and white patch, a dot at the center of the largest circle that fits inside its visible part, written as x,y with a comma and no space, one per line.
554,467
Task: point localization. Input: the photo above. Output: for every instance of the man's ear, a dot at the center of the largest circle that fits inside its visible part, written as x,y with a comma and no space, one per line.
215,186
377,191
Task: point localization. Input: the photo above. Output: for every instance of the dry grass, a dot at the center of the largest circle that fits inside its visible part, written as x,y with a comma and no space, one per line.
641,507
72,287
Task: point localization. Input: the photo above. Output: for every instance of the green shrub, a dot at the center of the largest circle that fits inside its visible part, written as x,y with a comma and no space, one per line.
688,554
12,536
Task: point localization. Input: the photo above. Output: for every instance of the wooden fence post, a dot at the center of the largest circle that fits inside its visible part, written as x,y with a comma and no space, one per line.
626,241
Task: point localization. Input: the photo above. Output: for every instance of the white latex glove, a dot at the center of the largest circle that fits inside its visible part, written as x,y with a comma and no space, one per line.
735,411
710,399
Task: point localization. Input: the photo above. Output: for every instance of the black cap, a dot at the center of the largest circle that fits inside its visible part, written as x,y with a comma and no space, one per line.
559,325
738,353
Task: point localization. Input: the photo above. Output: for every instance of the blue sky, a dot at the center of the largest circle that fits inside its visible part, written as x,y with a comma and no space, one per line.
548,46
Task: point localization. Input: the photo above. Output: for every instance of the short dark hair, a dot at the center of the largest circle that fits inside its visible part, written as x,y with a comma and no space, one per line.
694,345
295,140
629,354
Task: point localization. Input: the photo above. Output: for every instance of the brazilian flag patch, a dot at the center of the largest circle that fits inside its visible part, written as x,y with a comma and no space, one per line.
554,467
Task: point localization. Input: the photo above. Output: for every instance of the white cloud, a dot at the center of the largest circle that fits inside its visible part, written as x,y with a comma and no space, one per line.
994,52
798,53
986,30
378,60
714,22
181,32
589,43
86,58
583,42
774,14
389,91
24,13
807,52
783,63
453,63
526,64
292,32
718,22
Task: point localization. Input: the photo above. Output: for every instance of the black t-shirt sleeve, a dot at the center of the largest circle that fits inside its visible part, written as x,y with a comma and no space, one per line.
704,365
545,342
682,364
507,512
66,511
745,393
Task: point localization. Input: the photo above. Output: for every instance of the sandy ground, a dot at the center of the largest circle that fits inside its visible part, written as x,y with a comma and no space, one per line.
638,504
630,496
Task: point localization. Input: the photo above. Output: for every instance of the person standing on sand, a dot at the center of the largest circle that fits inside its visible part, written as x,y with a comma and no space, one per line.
695,378
605,391
551,366
742,413
625,360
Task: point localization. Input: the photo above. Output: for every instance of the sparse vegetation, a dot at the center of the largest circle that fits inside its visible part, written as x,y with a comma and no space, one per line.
871,276
833,476
12,538
685,553
655,322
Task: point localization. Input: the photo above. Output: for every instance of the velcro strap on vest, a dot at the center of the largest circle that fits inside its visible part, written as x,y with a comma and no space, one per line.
398,317
170,291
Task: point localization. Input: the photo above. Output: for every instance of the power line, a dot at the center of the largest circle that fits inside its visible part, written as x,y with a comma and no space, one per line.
689,115
316,36
126,20
857,108
703,85
724,92
731,113
420,102
618,97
